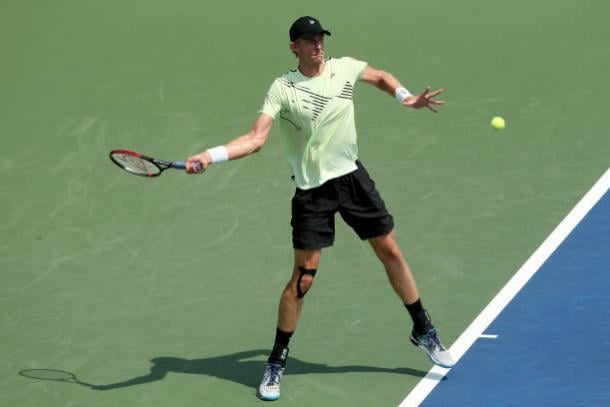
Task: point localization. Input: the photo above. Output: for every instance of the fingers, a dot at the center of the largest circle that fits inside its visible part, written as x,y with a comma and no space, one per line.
195,166
198,167
190,168
424,99
436,92
427,101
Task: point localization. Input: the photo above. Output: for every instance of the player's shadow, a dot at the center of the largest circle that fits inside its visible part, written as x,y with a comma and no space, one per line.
236,368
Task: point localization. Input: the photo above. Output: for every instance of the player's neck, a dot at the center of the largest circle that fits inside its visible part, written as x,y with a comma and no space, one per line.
311,69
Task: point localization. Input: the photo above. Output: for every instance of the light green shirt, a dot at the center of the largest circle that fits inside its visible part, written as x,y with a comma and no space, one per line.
317,119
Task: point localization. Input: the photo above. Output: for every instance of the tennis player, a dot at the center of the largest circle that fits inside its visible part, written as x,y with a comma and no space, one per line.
314,105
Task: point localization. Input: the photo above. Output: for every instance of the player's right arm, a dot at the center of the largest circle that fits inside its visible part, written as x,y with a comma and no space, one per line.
239,147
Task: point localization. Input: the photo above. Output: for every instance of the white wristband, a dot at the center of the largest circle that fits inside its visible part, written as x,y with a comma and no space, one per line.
218,154
401,94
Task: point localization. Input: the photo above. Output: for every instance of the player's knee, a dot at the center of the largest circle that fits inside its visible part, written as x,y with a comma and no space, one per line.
304,281
304,284
389,253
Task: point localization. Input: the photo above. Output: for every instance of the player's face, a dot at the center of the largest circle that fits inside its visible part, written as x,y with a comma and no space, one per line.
310,49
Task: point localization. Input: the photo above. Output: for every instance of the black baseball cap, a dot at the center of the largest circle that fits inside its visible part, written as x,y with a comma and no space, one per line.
306,27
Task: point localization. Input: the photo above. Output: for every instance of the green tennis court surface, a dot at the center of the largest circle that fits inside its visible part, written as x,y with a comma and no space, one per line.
164,292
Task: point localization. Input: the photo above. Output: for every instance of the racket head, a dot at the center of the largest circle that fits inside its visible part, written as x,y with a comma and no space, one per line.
135,163
49,374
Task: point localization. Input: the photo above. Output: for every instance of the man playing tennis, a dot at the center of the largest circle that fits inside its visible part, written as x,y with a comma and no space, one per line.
314,106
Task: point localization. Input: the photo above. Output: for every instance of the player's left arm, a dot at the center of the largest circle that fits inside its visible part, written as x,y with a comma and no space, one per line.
386,82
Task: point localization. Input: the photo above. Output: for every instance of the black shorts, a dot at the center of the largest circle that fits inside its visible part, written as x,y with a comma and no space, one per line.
353,195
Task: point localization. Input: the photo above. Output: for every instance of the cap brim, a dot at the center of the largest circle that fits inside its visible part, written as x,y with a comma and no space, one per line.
310,35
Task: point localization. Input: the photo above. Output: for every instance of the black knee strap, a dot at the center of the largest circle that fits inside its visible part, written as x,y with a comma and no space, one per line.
303,271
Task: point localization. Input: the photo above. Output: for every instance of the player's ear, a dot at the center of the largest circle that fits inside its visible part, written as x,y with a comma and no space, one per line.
293,48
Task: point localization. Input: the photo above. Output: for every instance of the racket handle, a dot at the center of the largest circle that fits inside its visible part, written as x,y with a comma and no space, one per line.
181,165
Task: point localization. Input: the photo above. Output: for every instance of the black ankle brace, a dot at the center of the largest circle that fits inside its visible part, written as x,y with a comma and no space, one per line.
279,355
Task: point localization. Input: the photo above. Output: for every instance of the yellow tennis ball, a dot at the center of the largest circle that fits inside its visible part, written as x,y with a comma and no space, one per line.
498,123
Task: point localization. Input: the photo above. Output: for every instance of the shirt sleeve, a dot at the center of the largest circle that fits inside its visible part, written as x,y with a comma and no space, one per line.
273,101
356,67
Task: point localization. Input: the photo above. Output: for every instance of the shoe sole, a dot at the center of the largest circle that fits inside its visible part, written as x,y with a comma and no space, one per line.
266,398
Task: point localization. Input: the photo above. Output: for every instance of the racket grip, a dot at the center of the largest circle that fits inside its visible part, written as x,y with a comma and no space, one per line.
181,165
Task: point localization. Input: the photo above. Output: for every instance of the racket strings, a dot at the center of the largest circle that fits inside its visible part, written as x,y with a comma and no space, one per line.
135,165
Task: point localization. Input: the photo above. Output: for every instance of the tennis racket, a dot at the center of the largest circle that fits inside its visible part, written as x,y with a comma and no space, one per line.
52,374
145,166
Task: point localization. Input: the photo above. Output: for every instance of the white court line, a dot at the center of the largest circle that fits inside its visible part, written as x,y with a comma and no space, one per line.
508,292
483,336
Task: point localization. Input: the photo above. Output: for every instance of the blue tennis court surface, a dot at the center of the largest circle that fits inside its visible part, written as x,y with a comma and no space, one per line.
553,339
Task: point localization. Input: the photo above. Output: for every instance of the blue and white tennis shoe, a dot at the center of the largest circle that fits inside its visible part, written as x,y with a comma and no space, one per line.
431,344
269,389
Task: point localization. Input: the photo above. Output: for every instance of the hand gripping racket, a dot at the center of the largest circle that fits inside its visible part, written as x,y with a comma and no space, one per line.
144,166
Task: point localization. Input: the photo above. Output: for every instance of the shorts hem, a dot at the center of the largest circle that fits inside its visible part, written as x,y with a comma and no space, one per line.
382,231
311,247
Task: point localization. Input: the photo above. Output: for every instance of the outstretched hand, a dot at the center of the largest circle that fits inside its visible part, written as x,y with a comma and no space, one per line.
424,99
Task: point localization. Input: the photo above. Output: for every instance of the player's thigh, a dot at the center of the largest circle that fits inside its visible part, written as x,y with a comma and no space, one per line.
313,218
362,207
